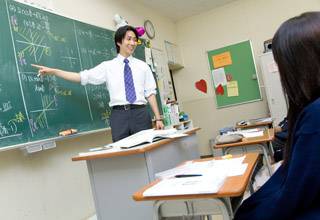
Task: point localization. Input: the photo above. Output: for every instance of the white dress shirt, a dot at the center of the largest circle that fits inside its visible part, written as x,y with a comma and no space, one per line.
111,73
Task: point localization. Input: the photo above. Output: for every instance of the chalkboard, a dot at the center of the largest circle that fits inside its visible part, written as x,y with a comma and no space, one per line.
36,108
234,74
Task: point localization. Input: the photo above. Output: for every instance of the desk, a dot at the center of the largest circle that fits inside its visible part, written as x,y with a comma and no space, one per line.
115,174
255,124
263,142
202,204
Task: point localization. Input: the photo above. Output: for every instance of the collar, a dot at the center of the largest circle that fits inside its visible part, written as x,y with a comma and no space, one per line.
121,58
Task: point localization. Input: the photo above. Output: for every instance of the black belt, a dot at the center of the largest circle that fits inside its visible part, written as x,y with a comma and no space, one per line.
127,107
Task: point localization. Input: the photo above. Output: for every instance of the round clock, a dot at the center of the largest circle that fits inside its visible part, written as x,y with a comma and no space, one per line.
148,26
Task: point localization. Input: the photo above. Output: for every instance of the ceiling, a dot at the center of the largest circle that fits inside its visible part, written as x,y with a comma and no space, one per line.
179,9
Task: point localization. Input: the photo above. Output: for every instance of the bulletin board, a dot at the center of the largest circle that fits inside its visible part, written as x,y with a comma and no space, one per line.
234,75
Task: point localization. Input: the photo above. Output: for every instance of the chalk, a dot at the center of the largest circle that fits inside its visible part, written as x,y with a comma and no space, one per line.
228,156
68,132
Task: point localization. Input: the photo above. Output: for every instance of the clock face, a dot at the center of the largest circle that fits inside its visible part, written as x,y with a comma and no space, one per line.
148,26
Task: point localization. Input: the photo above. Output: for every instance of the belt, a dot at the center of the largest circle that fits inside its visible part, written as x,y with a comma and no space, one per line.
127,107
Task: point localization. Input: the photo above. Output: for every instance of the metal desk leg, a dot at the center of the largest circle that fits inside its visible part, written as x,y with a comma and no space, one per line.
265,155
156,209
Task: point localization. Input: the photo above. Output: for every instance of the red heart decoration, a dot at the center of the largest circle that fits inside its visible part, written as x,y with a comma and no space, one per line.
219,90
201,85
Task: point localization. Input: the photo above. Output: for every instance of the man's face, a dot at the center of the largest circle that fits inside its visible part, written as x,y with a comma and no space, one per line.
128,45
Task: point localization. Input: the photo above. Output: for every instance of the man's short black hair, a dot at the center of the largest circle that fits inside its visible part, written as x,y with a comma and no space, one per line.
121,33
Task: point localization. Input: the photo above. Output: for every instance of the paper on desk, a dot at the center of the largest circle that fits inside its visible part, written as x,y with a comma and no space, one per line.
188,185
268,119
232,167
187,168
248,133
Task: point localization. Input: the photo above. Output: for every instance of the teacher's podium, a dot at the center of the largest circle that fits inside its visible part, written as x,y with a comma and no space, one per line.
115,174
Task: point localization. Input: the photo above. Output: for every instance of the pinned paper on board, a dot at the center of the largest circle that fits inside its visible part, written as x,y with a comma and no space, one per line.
219,77
232,88
220,90
222,59
148,56
229,77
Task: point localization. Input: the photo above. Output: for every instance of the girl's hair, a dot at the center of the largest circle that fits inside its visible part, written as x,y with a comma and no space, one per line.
296,50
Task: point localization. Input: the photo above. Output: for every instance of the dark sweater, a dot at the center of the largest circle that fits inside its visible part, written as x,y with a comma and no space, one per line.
293,192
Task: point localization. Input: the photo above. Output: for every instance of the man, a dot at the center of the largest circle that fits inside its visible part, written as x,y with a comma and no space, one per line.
130,84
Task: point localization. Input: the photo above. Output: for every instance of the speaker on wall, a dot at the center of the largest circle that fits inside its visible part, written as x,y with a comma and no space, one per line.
267,45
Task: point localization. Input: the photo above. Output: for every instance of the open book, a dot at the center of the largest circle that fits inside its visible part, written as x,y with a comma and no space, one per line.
146,137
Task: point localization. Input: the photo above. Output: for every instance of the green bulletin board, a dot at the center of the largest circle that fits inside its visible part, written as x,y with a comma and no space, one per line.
234,76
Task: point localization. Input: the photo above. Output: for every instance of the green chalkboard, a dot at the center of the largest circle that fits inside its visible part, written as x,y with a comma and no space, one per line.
34,108
234,74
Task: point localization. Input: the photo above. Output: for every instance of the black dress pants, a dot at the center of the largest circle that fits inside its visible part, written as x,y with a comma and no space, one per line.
124,123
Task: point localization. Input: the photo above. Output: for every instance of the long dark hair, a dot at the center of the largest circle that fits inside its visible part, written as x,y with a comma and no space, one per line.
296,50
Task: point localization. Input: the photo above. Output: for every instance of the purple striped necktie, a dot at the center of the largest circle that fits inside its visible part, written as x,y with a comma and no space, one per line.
128,82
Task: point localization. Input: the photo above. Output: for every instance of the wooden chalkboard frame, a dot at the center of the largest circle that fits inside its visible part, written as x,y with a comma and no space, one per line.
220,99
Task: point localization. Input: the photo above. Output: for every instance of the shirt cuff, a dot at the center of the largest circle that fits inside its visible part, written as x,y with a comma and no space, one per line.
84,77
149,92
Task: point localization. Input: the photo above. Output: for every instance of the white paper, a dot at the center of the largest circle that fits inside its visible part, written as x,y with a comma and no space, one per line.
187,185
148,56
219,77
248,133
232,167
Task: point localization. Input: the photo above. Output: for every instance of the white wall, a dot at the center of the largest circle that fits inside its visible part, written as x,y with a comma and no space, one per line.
240,20
48,185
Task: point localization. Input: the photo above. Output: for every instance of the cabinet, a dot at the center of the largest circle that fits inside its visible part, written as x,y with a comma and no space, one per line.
163,75
275,96
174,56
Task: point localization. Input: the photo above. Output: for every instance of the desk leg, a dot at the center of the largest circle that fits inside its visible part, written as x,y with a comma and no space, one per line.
156,209
196,208
271,147
265,155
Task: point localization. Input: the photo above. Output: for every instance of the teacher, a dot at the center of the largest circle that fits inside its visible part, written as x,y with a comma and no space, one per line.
129,81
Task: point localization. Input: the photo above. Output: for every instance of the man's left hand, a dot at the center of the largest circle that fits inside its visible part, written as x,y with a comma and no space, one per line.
159,125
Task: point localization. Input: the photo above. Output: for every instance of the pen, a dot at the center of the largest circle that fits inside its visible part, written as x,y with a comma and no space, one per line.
187,175
100,148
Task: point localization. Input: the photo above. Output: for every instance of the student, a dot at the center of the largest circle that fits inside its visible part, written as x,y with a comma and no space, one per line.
293,192
280,138
129,82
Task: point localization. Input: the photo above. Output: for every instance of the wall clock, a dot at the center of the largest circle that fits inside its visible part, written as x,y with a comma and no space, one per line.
148,26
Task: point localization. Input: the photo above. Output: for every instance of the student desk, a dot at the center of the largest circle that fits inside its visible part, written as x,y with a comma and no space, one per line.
255,124
202,204
115,174
263,142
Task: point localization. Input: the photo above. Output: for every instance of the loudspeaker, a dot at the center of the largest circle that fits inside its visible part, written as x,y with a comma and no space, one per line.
267,45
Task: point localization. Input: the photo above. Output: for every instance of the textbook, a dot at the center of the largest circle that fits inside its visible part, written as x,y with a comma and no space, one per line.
146,137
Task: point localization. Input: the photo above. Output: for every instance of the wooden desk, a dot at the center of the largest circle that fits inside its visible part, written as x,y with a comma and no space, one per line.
233,186
115,174
254,123
263,142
